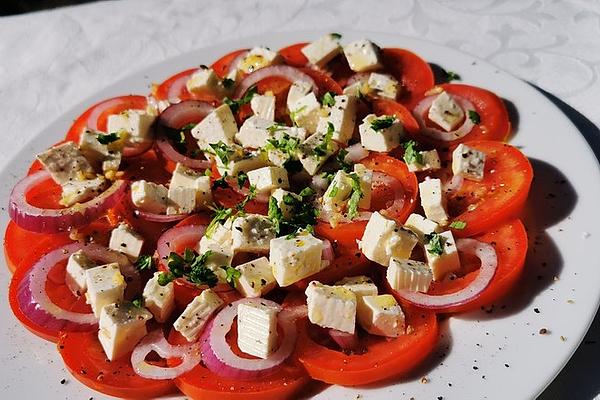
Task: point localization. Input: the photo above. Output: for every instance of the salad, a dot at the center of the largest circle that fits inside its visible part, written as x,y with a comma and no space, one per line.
274,218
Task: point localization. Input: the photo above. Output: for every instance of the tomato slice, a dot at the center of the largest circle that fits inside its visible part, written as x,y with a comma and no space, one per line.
293,56
221,66
346,263
323,81
175,86
413,73
499,196
85,359
384,357
389,107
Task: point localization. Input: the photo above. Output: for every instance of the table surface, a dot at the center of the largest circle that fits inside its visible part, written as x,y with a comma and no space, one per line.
52,60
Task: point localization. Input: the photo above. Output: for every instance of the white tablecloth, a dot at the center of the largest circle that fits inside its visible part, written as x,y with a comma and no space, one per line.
49,61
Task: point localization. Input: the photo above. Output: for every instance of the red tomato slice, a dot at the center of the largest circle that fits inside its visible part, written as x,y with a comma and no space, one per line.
293,56
389,107
413,73
499,196
221,66
323,81
175,86
85,359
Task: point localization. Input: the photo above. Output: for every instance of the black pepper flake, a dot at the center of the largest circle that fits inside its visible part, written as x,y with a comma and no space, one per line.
475,367
536,310
63,381
506,365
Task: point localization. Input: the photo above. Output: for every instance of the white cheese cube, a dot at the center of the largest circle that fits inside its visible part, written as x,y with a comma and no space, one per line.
306,112
188,178
192,320
105,285
287,210
298,90
66,163
383,138
409,275
295,258
322,50
468,162
257,329
242,162
254,132
75,277
149,196
312,160
256,278
122,326
381,315
384,85
433,200
125,240
362,55
204,79
160,300
135,125
252,233
447,261
263,106
218,126
219,244
257,58
337,194
358,89
79,191
291,131
104,157
431,162
383,239
182,200
331,306
360,285
366,179
343,117
421,226
445,112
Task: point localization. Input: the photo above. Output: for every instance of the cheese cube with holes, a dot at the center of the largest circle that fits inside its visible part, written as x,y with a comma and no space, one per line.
125,240
342,115
295,258
105,285
252,233
79,191
410,275
331,306
286,202
218,126
383,239
204,80
362,55
257,58
383,85
122,326
298,90
381,315
315,151
256,278
257,329
192,320
149,196
66,163
468,162
365,176
337,194
360,285
135,125
322,50
267,179
306,112
430,161
421,226
103,157
254,132
77,264
442,255
188,178
380,133
446,112
160,300
433,200
263,106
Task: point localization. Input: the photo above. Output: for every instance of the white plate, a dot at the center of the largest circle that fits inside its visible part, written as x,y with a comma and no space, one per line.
481,355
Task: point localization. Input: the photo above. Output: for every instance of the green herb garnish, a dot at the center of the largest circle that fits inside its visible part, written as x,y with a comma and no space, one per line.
355,197
164,278
232,275
221,182
235,105
221,214
191,266
322,149
108,138
411,154
222,151
382,122
458,224
138,302
452,76
336,35
227,83
294,114
242,178
307,192
434,244
144,262
340,158
474,117
275,214
334,191
251,195
328,99
199,273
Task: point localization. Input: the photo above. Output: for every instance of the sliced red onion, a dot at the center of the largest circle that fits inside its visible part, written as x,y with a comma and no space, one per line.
396,206
176,87
138,148
245,191
178,115
454,184
220,359
287,72
356,152
92,121
489,262
174,237
327,253
168,151
439,134
162,218
346,341
233,67
43,220
155,341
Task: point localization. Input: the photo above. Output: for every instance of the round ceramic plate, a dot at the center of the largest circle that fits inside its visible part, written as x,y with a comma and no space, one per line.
493,353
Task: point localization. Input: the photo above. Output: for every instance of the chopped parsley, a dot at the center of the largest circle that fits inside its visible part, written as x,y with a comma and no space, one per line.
294,114
434,244
221,182
452,76
222,151
164,278
340,158
191,266
334,191
337,36
232,275
303,214
458,224
251,195
189,126
474,117
199,273
138,302
221,215
276,127
322,149
207,172
242,178
275,214
328,99
306,192
382,122
285,143
236,104
227,83
355,197
108,138
411,154
144,262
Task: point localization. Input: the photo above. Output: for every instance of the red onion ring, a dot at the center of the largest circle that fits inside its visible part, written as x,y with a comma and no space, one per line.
245,191
287,72
220,359
395,207
233,66
137,148
155,341
172,238
168,151
92,121
423,106
161,218
346,341
489,262
327,253
176,87
42,220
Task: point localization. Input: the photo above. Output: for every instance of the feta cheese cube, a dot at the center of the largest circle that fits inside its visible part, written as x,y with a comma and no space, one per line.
204,79
468,162
218,126
296,258
241,162
381,315
135,125
431,162
312,159
306,112
252,233
122,326
445,112
380,139
160,300
182,200
362,55
383,85
263,106
298,90
421,226
191,322
257,329
125,240
358,89
105,285
75,277
322,50
267,179
103,157
256,278
66,163
149,196
343,117
433,200
79,191
254,132
444,262
257,58
383,239
366,179
331,306
336,195
184,177
287,210
360,285
409,275
219,244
